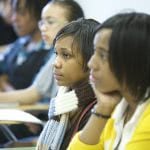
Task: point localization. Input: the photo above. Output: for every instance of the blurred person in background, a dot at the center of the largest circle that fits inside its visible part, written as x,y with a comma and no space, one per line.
28,53
55,15
8,34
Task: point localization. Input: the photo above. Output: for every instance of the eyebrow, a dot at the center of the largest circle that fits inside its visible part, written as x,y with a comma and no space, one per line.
101,49
67,50
63,49
48,17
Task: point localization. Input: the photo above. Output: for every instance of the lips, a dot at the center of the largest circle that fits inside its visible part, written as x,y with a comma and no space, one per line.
45,37
58,76
92,77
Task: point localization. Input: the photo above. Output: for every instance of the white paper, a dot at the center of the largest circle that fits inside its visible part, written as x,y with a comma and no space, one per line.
18,115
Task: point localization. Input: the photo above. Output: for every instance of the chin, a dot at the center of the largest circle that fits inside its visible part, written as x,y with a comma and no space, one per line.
60,83
98,88
20,34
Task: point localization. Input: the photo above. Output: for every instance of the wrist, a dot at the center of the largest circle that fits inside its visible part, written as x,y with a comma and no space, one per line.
99,115
103,109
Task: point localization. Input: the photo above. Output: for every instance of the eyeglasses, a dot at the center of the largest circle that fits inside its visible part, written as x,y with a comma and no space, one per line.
49,22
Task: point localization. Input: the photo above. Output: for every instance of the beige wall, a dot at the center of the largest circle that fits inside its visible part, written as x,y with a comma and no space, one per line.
102,9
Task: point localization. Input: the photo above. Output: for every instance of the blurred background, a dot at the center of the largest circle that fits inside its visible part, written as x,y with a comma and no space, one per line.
102,9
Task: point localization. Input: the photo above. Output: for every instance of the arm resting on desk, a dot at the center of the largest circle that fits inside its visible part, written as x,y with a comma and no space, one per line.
26,96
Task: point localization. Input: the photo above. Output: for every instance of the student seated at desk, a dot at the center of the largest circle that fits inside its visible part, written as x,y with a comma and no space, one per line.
69,110
7,32
55,15
28,53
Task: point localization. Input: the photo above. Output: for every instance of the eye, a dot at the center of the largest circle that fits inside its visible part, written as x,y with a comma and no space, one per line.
66,55
103,55
50,22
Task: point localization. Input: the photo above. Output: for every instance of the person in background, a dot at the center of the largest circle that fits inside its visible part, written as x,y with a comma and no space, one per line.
69,110
55,15
28,53
8,34
120,67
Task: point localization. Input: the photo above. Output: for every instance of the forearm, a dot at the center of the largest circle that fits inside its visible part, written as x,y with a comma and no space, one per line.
25,96
91,133
93,129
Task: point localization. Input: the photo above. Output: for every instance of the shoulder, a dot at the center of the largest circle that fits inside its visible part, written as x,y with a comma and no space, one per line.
144,122
142,128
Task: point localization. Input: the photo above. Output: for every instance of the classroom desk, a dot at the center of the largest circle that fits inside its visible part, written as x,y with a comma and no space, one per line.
31,107
34,107
9,122
11,116
19,148
20,114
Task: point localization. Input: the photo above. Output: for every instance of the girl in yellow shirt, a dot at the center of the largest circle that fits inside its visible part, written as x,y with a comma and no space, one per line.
120,76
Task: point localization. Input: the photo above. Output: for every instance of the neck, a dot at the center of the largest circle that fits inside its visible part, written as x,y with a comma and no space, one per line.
84,93
130,98
132,105
129,113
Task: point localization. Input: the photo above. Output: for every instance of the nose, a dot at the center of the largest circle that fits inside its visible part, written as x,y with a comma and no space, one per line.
57,63
14,17
92,63
42,25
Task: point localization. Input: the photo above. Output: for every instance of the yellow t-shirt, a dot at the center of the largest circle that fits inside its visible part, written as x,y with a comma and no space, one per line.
135,134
